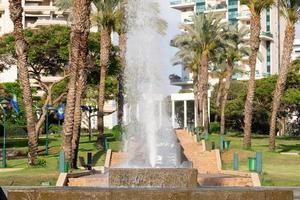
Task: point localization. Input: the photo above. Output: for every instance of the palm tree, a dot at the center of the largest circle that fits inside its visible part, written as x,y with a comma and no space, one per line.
105,18
16,11
233,52
190,61
202,38
255,7
78,52
290,10
121,29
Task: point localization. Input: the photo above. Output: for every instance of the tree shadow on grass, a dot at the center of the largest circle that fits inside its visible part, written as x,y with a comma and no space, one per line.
287,148
97,156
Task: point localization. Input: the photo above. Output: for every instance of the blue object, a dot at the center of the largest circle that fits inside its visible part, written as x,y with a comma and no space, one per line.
221,143
259,162
61,112
61,162
236,161
14,104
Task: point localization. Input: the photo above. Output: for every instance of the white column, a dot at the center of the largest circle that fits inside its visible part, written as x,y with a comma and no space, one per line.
185,114
173,114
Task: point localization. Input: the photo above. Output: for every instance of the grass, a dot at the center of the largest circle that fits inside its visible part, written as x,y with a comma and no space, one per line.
34,176
278,169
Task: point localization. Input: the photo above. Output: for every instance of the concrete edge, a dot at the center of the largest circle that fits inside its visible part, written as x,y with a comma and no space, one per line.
255,180
240,173
218,159
62,180
108,158
203,142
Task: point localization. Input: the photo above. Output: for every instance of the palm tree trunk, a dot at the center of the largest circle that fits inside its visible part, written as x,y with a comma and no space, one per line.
229,72
104,58
281,82
122,45
16,10
200,96
255,25
80,30
81,85
195,87
203,97
219,96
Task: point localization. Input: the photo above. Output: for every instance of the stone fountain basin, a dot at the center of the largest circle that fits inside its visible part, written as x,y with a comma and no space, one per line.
153,177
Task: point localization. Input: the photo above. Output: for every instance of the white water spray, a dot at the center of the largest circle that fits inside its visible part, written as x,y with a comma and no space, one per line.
149,140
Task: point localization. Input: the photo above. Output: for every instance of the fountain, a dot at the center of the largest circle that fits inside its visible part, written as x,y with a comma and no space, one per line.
153,167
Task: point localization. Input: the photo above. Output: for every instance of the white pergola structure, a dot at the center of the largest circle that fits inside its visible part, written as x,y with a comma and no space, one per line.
185,97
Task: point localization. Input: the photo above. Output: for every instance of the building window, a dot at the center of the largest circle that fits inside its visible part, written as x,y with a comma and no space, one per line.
268,47
200,6
233,11
268,20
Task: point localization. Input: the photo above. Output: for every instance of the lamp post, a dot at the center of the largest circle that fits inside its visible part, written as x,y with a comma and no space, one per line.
3,105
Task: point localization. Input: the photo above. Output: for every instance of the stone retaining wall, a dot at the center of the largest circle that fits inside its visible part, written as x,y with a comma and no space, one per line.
148,194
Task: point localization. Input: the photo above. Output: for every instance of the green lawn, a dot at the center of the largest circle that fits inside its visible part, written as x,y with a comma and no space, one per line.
31,176
278,169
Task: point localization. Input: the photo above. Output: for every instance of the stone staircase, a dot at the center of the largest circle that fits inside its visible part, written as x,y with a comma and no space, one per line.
116,159
204,161
209,166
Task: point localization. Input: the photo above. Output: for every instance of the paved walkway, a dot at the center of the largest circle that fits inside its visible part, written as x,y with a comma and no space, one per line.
10,169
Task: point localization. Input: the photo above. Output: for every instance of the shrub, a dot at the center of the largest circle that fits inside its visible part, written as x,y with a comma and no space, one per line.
117,132
42,163
214,127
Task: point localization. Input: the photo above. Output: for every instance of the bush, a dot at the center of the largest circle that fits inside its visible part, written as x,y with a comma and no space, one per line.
42,163
117,132
214,127
54,128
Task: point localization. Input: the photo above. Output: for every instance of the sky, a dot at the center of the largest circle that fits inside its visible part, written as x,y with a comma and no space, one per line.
173,18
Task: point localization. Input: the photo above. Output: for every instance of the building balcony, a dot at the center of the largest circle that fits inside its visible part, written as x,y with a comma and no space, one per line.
216,8
178,81
34,9
182,4
2,9
47,22
244,16
266,36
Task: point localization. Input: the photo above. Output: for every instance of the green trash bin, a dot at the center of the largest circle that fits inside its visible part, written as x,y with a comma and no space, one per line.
66,167
252,164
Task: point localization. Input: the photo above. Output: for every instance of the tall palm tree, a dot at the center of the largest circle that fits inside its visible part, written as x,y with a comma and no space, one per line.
187,58
78,52
256,7
16,12
290,10
202,37
106,18
233,52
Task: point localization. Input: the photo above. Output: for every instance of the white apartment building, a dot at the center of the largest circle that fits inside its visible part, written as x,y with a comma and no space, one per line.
232,11
296,51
